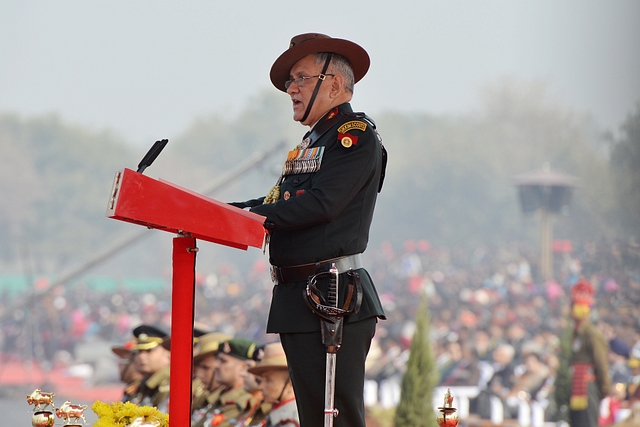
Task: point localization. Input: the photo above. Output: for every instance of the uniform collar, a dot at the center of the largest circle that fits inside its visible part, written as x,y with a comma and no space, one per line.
327,121
281,404
342,108
157,377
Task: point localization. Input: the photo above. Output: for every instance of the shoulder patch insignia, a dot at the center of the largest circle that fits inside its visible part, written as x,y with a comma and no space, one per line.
332,114
353,124
347,140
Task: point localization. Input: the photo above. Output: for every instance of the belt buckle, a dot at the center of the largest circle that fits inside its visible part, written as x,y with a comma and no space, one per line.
274,276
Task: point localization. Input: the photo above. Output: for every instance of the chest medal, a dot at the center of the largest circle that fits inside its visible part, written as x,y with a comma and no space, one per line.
303,161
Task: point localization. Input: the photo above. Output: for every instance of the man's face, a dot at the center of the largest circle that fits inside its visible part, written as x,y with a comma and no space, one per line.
128,369
205,370
301,94
251,382
228,370
580,311
151,361
273,382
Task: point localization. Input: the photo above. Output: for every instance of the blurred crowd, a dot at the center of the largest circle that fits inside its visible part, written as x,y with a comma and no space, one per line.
497,326
494,323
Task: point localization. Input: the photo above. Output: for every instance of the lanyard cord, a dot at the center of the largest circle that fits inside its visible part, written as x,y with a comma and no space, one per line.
321,78
279,399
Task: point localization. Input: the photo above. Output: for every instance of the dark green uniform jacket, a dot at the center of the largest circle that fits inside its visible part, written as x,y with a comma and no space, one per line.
324,214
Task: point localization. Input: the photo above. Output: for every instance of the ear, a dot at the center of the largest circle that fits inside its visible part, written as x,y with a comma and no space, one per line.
337,85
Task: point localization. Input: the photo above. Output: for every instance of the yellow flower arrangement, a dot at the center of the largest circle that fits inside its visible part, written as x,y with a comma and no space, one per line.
125,414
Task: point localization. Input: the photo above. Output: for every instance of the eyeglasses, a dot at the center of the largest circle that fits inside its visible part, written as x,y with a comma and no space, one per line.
300,80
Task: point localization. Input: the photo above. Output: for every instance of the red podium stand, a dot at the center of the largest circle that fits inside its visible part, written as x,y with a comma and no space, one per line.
159,204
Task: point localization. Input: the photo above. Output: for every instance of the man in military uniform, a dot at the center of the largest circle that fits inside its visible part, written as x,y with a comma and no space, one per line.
276,387
204,360
319,213
198,390
152,361
129,375
226,405
256,414
590,369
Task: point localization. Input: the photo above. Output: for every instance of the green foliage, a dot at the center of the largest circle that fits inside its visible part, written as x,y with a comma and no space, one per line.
625,167
377,416
415,408
562,385
452,177
55,184
448,178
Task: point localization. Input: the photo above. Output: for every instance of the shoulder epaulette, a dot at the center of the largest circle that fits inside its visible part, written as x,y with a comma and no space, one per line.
361,116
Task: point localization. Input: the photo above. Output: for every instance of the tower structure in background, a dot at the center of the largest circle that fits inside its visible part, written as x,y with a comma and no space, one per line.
546,193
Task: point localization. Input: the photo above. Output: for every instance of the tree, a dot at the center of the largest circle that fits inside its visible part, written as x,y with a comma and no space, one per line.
625,164
450,178
415,408
56,182
562,385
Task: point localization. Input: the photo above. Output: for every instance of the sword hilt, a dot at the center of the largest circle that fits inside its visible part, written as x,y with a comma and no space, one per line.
332,292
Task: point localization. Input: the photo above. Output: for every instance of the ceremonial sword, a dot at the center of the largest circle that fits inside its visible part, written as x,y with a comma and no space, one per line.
331,324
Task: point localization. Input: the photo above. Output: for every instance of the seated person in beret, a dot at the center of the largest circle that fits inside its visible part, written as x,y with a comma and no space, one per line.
256,415
152,361
129,375
224,408
204,361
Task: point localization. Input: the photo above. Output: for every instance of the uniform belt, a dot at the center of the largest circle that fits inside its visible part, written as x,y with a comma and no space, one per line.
300,273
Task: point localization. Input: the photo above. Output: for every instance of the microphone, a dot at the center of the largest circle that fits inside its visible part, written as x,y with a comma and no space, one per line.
151,155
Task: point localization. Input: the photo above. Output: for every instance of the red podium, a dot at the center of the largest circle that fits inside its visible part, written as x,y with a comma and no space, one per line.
159,204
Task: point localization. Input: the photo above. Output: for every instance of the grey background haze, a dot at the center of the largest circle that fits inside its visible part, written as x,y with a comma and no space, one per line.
147,69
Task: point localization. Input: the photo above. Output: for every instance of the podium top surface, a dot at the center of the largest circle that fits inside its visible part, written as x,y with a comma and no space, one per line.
160,204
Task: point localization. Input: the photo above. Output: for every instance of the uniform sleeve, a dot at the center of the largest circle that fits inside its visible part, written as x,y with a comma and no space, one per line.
248,204
601,365
344,172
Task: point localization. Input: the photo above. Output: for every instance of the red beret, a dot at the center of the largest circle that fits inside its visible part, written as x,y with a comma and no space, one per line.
582,292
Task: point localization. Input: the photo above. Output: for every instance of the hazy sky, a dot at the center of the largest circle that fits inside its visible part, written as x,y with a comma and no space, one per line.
147,68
